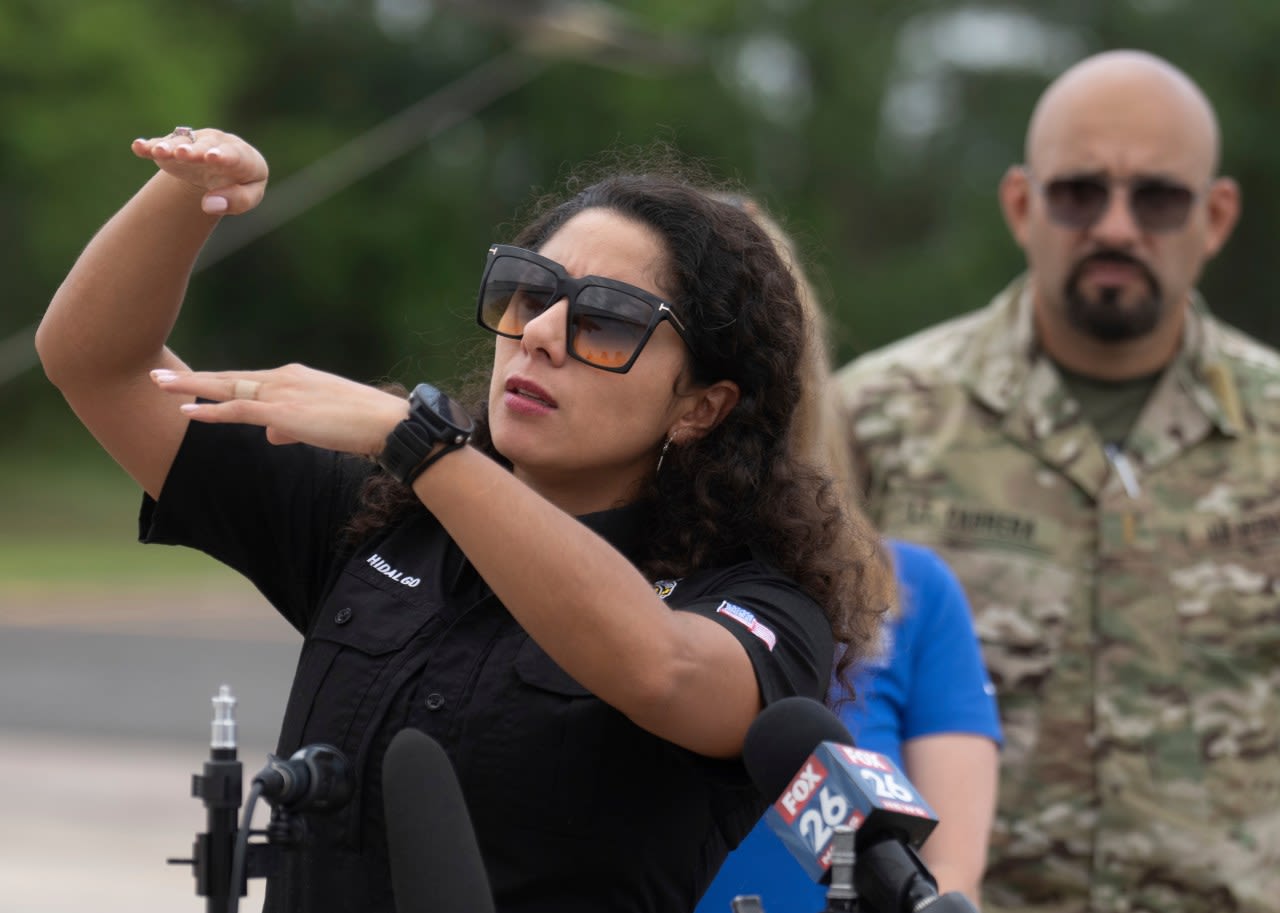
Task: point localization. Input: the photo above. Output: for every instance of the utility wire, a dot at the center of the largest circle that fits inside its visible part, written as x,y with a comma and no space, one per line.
336,171
553,29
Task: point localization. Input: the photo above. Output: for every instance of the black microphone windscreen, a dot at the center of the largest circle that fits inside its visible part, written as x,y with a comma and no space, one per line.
435,861
783,736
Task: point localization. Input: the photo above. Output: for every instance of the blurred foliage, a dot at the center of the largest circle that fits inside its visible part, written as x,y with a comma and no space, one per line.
876,131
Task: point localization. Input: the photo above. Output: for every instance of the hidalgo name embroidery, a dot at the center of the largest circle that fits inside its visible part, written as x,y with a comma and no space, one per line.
376,562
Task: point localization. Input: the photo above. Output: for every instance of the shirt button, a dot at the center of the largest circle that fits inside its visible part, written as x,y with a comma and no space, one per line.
343,616
435,700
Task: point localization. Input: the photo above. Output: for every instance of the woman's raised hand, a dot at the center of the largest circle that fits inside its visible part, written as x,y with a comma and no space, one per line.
232,173
294,403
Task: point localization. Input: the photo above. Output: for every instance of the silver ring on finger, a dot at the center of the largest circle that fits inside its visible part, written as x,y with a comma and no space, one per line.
185,132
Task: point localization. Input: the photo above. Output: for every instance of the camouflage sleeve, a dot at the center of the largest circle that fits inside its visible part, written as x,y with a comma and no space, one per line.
865,388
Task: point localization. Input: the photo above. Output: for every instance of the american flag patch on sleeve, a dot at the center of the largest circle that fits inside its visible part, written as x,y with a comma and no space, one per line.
748,620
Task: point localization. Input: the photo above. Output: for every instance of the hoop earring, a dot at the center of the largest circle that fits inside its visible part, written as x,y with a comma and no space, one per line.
666,444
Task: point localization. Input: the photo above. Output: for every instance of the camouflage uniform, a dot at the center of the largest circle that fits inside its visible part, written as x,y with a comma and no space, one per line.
1129,610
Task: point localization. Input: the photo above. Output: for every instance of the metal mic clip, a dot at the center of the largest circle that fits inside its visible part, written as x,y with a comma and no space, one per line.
841,894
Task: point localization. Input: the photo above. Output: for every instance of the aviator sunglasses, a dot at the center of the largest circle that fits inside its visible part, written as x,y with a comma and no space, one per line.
608,321
1079,201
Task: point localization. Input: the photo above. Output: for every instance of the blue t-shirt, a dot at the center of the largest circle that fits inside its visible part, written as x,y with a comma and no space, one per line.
929,680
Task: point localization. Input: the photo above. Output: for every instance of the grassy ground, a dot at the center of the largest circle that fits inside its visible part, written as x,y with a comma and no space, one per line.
70,556
70,520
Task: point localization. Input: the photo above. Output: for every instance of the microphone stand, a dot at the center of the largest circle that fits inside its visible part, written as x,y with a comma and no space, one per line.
214,851
219,787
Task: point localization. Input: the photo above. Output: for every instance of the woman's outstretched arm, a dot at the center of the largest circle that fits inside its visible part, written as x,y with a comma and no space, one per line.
106,326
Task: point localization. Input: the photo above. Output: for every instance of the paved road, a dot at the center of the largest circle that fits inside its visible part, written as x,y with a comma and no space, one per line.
104,715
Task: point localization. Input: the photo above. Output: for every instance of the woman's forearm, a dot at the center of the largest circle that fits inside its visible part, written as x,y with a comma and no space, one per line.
117,306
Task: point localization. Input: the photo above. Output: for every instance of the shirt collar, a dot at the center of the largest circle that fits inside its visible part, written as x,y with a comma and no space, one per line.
1006,368
622,527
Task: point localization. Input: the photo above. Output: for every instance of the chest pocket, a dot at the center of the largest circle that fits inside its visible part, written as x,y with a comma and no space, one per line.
537,670
1017,572
352,657
1225,589
538,744
1226,582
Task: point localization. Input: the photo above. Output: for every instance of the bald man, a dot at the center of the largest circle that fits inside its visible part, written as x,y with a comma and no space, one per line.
1098,458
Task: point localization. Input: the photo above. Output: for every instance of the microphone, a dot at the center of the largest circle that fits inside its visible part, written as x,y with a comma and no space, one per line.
435,861
315,778
799,751
783,735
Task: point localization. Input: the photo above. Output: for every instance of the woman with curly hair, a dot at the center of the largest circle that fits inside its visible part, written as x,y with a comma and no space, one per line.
924,698
585,587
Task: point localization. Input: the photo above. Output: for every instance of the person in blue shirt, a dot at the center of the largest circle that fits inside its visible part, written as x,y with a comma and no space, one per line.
925,701
928,705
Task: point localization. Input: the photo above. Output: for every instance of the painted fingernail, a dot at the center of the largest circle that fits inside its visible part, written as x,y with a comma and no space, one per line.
215,204
163,375
188,407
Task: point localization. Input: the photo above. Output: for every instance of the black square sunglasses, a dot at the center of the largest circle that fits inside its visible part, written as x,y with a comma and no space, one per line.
609,321
1078,201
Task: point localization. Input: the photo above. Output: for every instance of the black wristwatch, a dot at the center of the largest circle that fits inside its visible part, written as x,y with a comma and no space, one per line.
433,419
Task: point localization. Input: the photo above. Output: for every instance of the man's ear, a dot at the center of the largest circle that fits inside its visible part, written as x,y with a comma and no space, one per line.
709,407
1223,207
1015,201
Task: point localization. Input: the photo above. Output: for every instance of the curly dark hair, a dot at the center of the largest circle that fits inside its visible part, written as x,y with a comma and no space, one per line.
741,484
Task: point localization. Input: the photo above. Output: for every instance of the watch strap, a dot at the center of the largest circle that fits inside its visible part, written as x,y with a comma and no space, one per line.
404,448
407,451
422,467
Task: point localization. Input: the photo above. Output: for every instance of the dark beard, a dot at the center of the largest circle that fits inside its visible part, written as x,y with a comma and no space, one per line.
1103,317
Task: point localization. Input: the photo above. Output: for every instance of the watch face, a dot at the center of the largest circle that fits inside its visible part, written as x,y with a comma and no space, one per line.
452,414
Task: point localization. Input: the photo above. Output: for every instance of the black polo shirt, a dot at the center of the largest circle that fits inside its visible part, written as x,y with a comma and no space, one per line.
575,808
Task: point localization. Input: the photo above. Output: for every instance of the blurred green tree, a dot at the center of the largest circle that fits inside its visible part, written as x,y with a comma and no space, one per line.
405,135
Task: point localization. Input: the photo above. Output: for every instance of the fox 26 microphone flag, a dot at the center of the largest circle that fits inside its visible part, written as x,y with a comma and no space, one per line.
839,784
